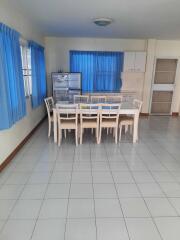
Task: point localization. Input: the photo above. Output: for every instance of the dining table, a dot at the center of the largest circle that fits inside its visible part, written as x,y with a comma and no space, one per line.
127,108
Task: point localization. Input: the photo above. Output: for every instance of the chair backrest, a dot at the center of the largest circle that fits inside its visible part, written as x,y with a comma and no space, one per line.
137,103
81,99
66,106
98,99
49,105
67,111
89,111
110,111
114,99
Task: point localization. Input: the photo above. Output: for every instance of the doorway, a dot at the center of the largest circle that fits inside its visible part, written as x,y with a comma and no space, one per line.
163,86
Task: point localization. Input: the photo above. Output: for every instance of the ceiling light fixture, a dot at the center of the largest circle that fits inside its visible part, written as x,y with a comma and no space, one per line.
102,22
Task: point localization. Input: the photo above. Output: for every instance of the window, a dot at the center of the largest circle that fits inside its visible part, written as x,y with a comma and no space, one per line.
101,71
26,67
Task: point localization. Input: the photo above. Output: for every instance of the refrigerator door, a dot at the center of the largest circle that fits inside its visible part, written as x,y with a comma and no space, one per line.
74,80
71,94
60,80
61,95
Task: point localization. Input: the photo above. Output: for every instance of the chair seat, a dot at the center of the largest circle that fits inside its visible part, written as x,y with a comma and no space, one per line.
125,117
126,122
89,123
70,124
109,123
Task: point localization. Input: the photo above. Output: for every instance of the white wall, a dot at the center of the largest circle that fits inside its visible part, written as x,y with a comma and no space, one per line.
10,139
57,49
57,55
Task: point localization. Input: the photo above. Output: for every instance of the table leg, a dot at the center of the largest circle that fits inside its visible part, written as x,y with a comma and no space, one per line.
55,125
135,132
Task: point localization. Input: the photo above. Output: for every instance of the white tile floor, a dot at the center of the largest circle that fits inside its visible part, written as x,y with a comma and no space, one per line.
95,192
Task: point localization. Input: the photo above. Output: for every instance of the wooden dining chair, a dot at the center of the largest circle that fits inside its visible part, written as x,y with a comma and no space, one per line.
114,99
109,117
81,98
89,119
127,121
49,102
98,99
67,116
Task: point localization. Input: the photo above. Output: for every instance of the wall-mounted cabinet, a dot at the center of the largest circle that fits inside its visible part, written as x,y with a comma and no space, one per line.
134,61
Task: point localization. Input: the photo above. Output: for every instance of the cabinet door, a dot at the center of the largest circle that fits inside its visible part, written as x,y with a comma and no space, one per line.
129,60
140,61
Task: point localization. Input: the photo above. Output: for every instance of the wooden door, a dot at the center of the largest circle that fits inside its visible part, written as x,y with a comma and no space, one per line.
163,87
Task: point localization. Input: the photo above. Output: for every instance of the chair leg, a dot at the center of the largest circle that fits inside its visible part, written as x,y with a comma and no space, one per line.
59,137
49,129
100,132
76,136
120,132
131,129
65,133
97,135
79,132
92,130
126,128
116,135
107,131
81,135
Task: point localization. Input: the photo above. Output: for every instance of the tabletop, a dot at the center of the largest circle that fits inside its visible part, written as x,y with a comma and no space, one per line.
124,105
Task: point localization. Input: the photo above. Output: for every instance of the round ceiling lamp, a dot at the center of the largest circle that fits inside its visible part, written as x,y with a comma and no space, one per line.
102,22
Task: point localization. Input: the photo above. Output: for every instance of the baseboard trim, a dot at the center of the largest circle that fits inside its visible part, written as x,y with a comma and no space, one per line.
144,114
175,114
16,150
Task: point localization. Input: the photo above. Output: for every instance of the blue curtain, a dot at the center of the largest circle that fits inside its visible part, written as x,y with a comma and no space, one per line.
12,96
101,71
83,62
38,74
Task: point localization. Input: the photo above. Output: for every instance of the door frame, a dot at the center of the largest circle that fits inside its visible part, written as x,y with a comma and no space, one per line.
175,81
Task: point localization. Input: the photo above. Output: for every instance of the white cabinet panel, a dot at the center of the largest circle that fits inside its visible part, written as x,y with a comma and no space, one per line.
140,61
134,61
129,60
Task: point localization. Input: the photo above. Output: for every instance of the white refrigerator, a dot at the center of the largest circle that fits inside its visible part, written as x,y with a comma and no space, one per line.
66,85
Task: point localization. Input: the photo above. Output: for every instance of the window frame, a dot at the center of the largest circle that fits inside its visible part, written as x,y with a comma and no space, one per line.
26,67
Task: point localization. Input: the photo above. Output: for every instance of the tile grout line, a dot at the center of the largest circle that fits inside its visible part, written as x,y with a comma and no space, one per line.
117,195
66,220
42,200
142,197
145,201
16,200
152,218
147,208
150,172
95,221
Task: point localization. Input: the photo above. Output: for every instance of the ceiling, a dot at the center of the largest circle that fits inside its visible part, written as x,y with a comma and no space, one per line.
132,18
